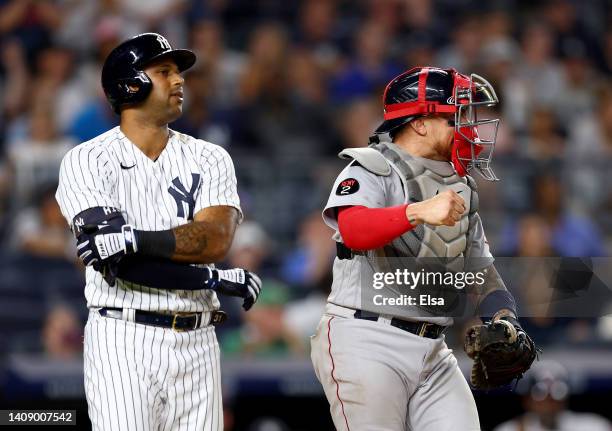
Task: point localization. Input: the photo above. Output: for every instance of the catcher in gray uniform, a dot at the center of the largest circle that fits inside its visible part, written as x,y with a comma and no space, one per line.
385,365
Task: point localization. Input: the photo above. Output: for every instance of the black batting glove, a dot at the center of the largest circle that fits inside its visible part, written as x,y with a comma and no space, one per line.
103,242
89,253
235,282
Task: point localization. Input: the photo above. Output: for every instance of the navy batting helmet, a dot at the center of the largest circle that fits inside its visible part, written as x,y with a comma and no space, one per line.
123,78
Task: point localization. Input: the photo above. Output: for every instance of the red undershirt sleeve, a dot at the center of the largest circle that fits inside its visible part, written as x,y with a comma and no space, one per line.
364,228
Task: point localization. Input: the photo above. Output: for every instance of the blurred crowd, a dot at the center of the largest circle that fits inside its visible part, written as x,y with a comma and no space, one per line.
284,86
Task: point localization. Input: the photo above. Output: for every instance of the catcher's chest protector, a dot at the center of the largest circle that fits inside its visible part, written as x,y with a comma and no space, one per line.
420,183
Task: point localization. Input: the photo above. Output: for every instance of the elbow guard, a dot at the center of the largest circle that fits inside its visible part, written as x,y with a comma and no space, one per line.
96,216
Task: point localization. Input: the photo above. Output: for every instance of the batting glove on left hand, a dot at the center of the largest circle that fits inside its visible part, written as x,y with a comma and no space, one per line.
236,282
98,244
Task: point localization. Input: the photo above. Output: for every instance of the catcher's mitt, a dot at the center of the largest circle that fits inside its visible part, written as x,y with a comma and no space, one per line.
502,351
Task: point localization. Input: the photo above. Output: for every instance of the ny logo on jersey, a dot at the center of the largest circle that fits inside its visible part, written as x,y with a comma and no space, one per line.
184,197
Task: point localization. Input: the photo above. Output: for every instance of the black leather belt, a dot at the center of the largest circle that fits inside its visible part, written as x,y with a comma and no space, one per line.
179,322
422,329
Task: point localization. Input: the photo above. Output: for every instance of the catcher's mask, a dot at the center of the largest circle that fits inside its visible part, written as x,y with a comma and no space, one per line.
431,90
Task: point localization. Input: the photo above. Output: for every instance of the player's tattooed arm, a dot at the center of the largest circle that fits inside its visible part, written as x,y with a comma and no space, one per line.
208,238
205,240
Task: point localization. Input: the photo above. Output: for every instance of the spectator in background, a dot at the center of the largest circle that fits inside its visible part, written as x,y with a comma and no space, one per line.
96,116
580,84
538,79
31,21
62,334
605,50
200,119
59,78
589,156
369,68
268,49
77,20
569,26
5,192
263,333
356,121
535,279
301,316
546,390
306,79
319,33
162,16
223,66
571,234
41,231
36,158
417,49
276,114
309,262
251,249
544,141
16,79
418,15
464,50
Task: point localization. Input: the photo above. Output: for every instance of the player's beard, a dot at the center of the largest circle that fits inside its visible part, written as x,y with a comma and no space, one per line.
445,148
169,111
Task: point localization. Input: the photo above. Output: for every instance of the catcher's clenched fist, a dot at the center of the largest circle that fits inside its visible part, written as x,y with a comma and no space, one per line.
445,208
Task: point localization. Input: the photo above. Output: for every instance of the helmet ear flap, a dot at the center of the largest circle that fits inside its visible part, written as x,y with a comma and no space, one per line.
133,90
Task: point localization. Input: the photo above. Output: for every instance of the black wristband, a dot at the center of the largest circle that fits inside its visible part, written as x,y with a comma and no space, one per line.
160,243
494,302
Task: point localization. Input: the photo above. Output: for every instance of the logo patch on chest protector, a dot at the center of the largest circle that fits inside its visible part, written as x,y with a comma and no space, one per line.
347,187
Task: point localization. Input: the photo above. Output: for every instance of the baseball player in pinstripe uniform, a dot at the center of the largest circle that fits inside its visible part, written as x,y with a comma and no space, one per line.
387,367
152,209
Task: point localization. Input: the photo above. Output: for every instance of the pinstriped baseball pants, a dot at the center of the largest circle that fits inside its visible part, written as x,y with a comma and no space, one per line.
140,377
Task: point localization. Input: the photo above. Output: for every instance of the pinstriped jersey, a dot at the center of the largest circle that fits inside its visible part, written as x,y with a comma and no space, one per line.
110,171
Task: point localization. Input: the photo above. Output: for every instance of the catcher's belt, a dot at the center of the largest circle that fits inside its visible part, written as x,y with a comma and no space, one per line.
422,329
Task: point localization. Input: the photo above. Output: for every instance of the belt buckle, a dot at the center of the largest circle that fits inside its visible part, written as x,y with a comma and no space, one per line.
174,328
423,329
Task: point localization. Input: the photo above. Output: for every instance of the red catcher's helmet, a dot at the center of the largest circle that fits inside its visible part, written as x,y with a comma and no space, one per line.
424,91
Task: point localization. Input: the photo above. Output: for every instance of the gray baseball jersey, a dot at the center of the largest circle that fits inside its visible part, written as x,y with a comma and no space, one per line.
376,375
407,179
